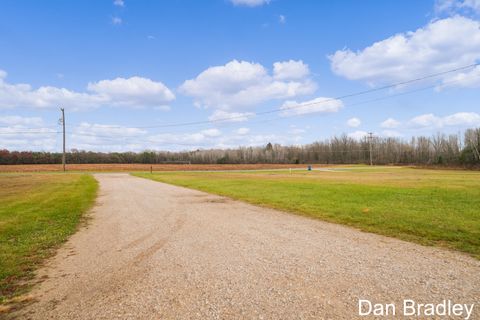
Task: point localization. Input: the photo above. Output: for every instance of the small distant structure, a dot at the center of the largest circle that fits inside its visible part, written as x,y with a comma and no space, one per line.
309,168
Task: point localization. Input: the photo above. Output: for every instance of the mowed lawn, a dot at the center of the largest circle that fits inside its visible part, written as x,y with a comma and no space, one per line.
37,213
431,207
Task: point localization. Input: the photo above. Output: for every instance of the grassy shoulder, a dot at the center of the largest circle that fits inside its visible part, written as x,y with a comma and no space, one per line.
37,213
429,207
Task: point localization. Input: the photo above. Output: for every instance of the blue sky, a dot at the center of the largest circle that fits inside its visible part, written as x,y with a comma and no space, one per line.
126,70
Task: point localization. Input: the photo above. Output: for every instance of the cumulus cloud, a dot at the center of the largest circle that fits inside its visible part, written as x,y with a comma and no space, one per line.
242,84
318,105
130,92
441,45
19,121
119,3
425,120
44,142
250,3
25,133
111,131
106,137
354,122
224,116
468,79
117,20
454,6
242,131
290,70
211,132
233,141
282,19
392,134
206,137
460,119
358,135
296,131
390,123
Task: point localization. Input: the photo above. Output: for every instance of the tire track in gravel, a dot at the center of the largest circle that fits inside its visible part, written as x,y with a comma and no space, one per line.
156,251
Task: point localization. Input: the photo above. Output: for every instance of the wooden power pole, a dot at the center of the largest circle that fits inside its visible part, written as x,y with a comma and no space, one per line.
370,138
63,125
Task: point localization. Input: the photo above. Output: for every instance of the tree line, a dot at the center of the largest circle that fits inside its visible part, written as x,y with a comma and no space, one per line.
439,149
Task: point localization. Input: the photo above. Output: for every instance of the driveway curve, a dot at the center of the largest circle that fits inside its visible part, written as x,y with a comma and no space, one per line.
156,251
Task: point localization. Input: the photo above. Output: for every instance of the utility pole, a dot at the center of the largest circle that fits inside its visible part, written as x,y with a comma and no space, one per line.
370,138
63,125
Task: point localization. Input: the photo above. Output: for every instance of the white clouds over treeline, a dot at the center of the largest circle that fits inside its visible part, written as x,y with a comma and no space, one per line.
431,121
128,92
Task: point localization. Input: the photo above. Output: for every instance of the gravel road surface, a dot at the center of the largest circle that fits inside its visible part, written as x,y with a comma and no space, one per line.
156,251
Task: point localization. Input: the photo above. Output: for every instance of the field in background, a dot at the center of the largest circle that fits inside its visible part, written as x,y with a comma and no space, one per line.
431,207
144,167
37,213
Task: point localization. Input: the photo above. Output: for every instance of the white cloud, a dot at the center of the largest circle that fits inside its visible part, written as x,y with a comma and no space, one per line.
318,105
390,123
119,3
250,3
24,133
15,131
474,4
460,119
211,132
441,45
296,131
224,116
454,6
242,131
107,130
358,135
469,79
33,142
184,140
255,140
354,122
391,134
104,137
425,120
163,108
131,92
18,120
290,70
117,20
282,19
241,84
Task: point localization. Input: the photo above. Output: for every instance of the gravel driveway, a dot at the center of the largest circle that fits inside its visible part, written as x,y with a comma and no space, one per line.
156,251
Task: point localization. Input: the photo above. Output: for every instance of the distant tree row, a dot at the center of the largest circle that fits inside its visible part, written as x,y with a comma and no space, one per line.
437,150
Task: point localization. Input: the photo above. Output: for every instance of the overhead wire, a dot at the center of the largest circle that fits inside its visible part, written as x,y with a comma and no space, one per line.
35,130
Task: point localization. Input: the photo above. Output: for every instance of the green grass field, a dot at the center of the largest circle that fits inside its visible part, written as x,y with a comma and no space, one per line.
37,213
430,207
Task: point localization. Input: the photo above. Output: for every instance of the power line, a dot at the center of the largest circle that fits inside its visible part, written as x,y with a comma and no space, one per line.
27,132
259,121
310,103
271,119
283,109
